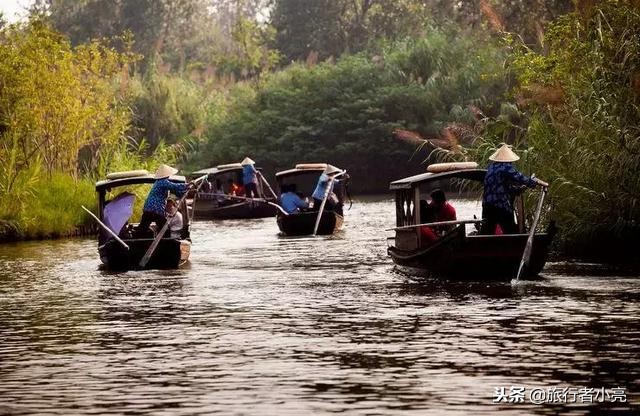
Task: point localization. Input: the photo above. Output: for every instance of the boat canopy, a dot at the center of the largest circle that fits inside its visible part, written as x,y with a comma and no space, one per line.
302,168
107,184
218,169
417,180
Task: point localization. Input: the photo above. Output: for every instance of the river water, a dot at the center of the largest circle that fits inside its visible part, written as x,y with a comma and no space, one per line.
260,324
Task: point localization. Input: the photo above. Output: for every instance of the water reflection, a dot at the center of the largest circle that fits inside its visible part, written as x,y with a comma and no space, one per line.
260,324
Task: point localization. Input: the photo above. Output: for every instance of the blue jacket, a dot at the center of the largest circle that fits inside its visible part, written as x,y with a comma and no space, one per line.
499,185
157,198
291,202
321,187
249,174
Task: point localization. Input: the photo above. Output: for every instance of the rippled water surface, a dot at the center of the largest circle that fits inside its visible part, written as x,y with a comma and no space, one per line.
261,324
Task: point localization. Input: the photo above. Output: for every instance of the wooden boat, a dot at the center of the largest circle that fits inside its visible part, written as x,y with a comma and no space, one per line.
212,205
459,253
305,176
170,252
303,223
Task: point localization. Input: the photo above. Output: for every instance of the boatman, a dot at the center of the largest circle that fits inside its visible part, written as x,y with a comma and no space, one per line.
321,186
155,205
499,184
249,178
290,201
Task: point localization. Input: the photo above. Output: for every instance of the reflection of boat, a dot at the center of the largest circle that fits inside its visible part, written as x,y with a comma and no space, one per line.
213,205
170,252
459,253
305,177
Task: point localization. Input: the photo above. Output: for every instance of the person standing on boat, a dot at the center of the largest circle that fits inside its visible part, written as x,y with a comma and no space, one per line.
291,201
249,178
321,186
155,205
499,184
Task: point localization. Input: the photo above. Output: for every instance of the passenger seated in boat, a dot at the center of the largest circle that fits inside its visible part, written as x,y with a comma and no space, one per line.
175,220
437,210
501,180
206,186
235,189
154,207
218,190
290,200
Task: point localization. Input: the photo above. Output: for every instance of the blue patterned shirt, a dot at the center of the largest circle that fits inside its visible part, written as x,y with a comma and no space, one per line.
157,198
499,185
249,174
321,187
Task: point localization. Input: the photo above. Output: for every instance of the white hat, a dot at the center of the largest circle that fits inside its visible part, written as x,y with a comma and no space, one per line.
504,154
330,170
247,161
164,171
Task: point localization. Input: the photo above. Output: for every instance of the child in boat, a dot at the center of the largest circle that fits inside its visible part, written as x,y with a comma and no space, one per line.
175,219
436,211
499,183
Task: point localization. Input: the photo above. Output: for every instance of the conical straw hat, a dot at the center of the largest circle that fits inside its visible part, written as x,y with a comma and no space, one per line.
330,170
247,161
164,171
504,154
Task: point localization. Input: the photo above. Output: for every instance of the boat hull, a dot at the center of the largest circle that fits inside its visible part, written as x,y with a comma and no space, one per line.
302,223
210,209
170,253
476,257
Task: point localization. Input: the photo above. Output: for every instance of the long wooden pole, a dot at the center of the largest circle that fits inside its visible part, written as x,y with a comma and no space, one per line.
435,224
244,198
103,225
324,201
529,246
267,183
152,248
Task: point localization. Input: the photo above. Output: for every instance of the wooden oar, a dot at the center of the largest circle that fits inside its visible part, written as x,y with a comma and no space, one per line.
103,225
324,201
435,224
267,183
147,256
529,246
244,198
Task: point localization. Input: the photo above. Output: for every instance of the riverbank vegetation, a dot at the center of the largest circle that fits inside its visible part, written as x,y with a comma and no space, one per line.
379,87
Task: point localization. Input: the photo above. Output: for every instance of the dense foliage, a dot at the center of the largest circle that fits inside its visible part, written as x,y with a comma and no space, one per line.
90,86
61,119
576,116
345,113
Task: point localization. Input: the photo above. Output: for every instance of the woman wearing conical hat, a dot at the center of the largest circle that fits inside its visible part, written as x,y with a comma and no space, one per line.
321,186
500,183
249,178
155,205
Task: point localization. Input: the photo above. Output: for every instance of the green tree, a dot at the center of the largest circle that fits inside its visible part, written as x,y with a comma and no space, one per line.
345,113
55,101
576,118
334,27
165,28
